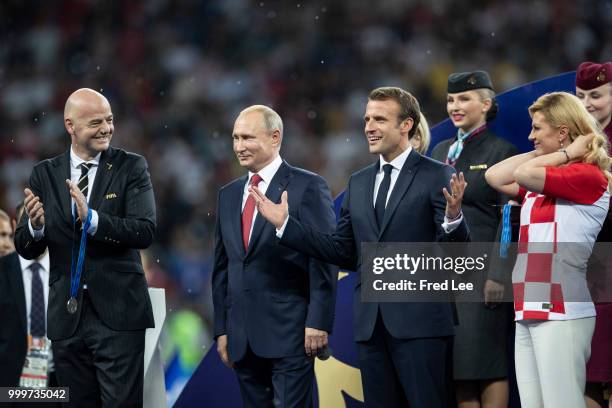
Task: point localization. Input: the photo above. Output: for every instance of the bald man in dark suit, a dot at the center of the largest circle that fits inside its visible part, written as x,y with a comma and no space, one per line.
97,200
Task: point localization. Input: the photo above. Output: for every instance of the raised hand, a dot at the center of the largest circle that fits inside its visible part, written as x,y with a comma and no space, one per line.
34,208
454,198
580,146
79,199
276,214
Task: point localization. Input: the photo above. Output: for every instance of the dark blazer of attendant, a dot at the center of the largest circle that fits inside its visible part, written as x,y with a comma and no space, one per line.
123,196
414,213
480,201
13,326
266,296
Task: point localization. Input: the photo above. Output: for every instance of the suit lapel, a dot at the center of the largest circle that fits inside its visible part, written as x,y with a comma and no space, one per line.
16,282
368,200
401,185
236,212
104,176
274,192
61,174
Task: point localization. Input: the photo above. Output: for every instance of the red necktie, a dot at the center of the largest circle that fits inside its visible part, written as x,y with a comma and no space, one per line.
248,212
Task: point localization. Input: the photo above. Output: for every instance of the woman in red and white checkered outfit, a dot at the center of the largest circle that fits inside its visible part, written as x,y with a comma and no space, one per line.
563,185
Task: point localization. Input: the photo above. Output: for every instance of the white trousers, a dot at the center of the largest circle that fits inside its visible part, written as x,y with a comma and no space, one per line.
550,358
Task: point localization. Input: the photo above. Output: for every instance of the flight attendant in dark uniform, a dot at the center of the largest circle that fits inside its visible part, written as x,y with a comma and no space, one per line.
594,89
479,354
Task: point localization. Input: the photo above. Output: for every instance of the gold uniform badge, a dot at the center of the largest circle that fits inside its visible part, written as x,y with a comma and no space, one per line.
601,77
478,166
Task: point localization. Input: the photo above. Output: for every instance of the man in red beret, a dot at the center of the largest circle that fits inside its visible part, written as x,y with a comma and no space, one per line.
594,88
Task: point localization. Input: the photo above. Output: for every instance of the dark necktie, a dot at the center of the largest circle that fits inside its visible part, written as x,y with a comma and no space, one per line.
248,212
83,185
37,309
381,197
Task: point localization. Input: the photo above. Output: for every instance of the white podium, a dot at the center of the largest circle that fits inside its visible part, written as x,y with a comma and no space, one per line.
154,384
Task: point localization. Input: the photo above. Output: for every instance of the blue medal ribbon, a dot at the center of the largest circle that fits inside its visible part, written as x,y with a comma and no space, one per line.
506,235
76,270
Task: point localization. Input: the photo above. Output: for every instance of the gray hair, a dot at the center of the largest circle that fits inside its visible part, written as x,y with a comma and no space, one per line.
485,93
272,120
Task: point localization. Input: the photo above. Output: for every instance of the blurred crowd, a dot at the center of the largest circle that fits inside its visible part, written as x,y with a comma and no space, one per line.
178,72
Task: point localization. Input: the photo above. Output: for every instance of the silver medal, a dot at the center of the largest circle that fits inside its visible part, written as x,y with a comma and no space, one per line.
72,305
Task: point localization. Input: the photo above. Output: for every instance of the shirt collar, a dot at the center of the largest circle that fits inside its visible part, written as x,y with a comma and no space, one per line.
268,172
467,137
43,261
76,161
398,162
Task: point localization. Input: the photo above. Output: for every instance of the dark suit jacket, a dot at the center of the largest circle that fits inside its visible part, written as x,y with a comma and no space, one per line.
123,196
13,326
268,294
414,213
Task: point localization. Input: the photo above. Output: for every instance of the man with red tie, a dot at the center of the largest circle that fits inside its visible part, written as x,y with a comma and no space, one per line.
274,307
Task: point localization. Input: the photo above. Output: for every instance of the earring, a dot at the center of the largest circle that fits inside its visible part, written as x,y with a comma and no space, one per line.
560,143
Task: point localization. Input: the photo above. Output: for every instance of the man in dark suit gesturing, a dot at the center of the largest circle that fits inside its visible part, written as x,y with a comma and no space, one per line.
93,208
274,307
403,348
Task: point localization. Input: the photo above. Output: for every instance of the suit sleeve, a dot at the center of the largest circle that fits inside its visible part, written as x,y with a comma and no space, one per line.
137,229
337,248
219,278
25,244
316,210
459,234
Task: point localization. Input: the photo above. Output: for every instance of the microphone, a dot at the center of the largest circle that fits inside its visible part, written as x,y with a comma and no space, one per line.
325,353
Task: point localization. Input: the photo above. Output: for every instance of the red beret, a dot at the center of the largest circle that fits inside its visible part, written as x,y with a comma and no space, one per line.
590,75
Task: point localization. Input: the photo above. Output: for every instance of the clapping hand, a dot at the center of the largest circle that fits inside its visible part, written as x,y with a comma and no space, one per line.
34,208
79,199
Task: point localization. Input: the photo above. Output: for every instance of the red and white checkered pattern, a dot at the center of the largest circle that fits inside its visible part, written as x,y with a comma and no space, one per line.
549,278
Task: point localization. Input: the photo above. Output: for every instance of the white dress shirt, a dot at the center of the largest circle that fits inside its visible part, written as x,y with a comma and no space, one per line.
26,274
397,164
75,175
266,174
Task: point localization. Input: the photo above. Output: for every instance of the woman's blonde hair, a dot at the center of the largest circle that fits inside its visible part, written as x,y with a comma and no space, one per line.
422,134
564,109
